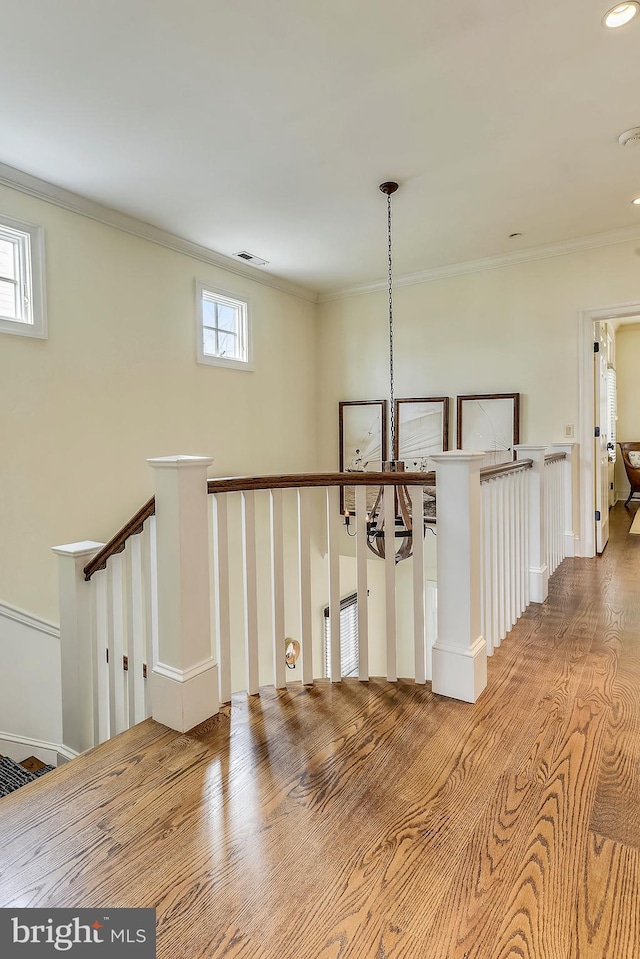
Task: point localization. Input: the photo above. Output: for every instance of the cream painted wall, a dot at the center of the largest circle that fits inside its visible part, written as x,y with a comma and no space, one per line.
117,382
505,330
627,366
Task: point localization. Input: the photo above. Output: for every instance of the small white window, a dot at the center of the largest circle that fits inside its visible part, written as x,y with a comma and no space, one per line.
22,304
224,334
349,653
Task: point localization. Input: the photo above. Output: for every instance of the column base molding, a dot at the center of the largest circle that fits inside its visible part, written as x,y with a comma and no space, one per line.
538,583
460,673
570,543
181,699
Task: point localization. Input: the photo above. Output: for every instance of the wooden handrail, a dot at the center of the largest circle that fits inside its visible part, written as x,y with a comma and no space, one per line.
554,458
235,484
490,472
118,542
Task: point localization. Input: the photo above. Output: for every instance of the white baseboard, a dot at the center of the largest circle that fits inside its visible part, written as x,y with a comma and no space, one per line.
20,747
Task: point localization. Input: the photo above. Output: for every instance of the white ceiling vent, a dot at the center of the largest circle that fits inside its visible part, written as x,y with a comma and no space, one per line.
255,260
630,138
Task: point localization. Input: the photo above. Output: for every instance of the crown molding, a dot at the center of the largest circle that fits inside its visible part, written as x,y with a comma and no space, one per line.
566,247
58,196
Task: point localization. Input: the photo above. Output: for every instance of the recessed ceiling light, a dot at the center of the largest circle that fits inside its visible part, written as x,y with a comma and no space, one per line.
620,14
636,201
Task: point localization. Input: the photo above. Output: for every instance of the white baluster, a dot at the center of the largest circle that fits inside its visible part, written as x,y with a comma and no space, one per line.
485,564
250,577
277,588
150,571
361,579
100,582
136,629
500,546
517,508
494,486
223,611
334,530
390,581
118,686
419,638
304,568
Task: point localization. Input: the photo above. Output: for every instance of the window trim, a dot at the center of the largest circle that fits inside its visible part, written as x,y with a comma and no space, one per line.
33,281
348,605
206,358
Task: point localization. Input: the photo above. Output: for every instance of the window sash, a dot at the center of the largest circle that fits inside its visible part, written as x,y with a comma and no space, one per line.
21,243
237,335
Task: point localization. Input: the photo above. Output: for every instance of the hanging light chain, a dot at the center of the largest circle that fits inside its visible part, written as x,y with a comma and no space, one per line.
391,382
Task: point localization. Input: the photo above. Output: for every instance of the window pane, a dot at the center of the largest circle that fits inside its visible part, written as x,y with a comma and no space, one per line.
208,312
7,260
8,300
209,342
227,344
227,318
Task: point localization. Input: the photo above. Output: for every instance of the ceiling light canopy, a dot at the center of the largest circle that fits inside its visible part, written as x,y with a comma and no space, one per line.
636,202
621,14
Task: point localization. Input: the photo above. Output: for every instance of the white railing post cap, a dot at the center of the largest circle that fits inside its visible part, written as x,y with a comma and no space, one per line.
523,448
179,462
457,456
85,548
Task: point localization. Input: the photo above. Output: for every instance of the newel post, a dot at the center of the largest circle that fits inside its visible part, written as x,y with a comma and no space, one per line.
185,678
460,651
569,473
77,664
538,569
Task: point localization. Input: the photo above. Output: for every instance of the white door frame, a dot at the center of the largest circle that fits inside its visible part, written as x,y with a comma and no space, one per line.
586,415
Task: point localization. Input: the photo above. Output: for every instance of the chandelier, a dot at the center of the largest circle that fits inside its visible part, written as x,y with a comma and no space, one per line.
402,534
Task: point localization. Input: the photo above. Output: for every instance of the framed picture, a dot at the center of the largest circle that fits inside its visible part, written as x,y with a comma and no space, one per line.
422,428
363,441
489,422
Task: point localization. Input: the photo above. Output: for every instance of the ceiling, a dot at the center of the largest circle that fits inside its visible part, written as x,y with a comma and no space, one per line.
267,126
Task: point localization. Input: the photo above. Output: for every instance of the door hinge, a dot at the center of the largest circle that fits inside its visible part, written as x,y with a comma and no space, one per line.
107,652
596,432
144,670
596,347
610,485
125,663
597,516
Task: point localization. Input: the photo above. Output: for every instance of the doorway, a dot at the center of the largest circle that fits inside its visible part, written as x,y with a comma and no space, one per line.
592,472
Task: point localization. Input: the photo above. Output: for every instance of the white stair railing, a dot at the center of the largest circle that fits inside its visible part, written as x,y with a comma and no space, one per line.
195,597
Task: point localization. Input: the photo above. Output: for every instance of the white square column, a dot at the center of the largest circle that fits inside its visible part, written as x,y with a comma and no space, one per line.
460,651
185,678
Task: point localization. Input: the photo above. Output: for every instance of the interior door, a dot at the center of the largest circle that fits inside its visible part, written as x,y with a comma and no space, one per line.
601,457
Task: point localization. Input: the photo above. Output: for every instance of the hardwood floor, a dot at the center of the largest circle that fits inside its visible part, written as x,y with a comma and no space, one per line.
376,821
